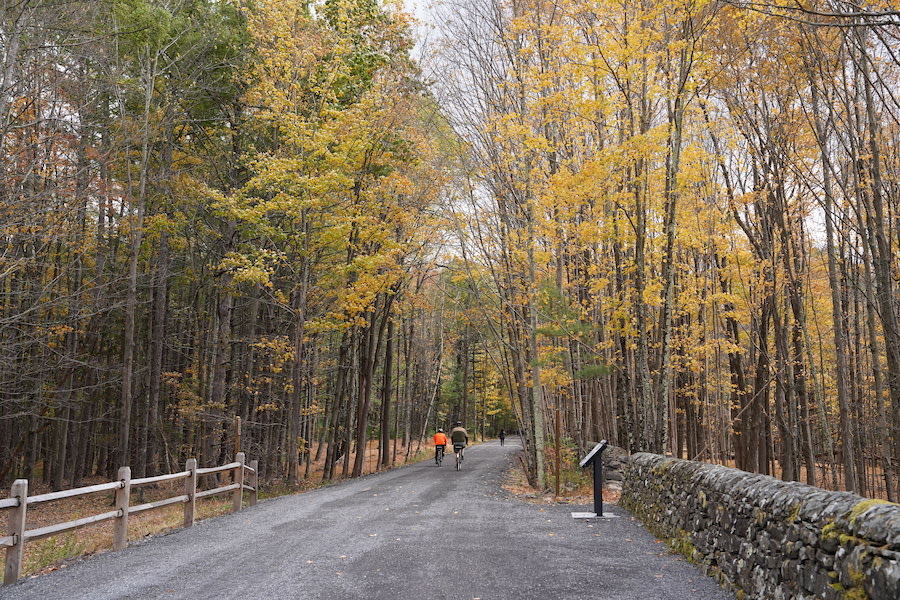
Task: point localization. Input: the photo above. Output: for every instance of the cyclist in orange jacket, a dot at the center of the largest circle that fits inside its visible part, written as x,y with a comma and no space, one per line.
440,443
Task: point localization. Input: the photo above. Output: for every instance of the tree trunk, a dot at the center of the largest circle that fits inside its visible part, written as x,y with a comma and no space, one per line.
386,396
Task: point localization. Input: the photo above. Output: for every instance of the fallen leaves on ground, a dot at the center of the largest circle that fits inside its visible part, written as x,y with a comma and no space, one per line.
516,483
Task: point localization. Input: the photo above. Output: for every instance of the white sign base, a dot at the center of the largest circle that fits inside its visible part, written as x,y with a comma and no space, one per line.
590,515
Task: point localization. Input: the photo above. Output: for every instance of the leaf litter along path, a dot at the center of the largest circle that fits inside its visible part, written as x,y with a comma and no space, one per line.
415,532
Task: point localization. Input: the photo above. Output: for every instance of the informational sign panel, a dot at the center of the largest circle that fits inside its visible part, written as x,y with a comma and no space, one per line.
590,456
595,458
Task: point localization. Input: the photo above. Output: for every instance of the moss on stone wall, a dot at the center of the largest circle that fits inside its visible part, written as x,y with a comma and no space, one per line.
857,592
683,545
764,537
862,507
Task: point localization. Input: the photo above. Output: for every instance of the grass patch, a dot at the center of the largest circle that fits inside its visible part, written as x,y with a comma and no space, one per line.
53,553
50,551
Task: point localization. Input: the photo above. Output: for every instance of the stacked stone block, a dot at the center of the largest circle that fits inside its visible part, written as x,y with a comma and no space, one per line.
768,538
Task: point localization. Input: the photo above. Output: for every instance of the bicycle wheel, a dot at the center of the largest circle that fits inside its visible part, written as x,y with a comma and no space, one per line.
458,461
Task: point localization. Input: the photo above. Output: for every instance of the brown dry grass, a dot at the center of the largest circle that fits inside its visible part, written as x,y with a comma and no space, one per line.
576,488
425,450
55,552
58,551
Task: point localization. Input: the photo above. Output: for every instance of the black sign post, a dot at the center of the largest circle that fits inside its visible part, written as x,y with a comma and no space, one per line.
595,457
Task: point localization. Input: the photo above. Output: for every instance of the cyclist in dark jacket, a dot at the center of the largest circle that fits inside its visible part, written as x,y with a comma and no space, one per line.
459,437
502,436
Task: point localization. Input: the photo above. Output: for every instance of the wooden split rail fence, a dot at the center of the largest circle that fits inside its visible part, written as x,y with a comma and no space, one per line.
19,501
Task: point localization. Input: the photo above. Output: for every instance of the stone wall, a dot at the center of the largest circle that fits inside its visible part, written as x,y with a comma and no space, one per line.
768,538
614,461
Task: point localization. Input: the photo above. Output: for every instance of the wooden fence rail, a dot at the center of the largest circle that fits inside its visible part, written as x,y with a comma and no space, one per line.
19,501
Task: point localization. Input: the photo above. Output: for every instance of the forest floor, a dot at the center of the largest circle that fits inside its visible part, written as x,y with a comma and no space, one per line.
58,551
576,487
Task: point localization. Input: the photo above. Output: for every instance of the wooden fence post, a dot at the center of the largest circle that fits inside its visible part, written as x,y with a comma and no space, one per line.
238,496
16,529
254,482
190,490
123,497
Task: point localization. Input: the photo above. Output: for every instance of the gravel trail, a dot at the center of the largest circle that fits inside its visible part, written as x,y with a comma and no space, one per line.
417,532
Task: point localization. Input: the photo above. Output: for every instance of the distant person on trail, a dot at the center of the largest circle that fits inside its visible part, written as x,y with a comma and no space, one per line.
502,436
440,443
460,438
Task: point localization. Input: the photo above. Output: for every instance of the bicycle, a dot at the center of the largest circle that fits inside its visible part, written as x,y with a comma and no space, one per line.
439,455
457,449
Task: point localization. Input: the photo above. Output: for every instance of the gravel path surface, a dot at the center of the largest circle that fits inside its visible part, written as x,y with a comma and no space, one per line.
418,532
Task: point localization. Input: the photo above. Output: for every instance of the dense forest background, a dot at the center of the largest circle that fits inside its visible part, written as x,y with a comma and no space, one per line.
673,225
